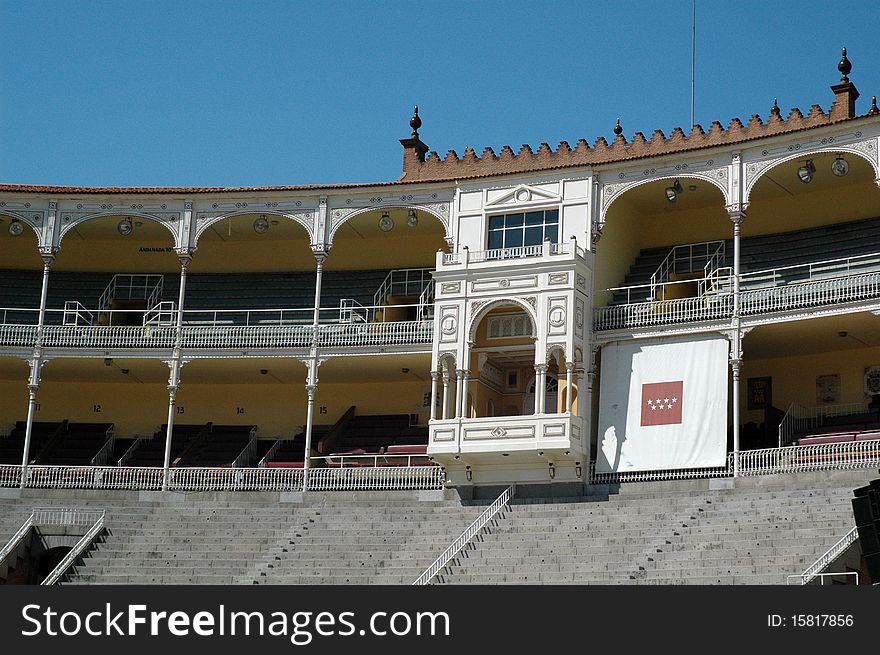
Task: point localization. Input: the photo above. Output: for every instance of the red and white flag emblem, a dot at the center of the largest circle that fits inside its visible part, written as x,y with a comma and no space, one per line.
661,403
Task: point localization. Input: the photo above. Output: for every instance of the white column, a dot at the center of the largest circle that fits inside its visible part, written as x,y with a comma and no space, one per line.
737,215
36,364
185,258
311,388
735,364
33,386
312,382
465,377
445,407
434,376
458,386
569,386
540,388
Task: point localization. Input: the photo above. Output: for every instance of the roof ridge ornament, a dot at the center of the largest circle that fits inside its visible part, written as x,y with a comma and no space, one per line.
618,130
844,66
415,122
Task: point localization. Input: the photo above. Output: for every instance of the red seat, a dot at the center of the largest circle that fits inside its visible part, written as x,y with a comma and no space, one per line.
834,437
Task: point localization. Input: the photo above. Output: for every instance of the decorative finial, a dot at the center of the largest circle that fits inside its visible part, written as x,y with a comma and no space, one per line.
617,129
415,122
874,111
774,110
844,67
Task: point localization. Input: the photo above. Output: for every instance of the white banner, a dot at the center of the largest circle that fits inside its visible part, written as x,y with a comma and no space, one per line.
663,405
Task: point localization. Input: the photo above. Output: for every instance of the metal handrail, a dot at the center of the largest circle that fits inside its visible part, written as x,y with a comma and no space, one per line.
75,553
248,452
822,576
270,453
103,455
12,544
829,556
127,455
800,417
464,538
668,265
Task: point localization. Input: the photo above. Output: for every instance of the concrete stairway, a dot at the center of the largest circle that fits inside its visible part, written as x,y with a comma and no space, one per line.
256,538
695,532
383,541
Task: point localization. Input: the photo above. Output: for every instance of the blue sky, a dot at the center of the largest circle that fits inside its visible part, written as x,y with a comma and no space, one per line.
202,92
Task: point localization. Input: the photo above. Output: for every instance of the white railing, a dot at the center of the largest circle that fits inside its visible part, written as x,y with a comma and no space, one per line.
132,286
83,477
380,478
402,282
517,252
76,314
246,336
19,535
65,516
364,478
270,453
18,335
800,419
162,314
795,578
811,271
464,538
106,336
781,289
810,293
351,311
426,302
76,552
688,258
249,452
377,460
682,310
102,457
816,568
660,475
845,456
376,334
127,455
821,457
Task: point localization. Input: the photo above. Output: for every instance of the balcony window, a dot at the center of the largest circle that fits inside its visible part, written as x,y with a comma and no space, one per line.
523,229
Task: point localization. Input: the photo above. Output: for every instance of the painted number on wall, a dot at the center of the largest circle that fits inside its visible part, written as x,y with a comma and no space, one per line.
239,410
180,409
322,409
96,409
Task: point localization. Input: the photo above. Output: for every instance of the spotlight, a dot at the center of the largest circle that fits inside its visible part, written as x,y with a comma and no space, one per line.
673,191
412,220
386,224
843,334
261,225
805,172
578,471
552,471
840,166
264,371
468,473
124,371
404,370
108,361
16,228
124,227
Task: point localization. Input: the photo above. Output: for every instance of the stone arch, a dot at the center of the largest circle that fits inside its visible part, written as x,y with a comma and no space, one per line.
448,361
763,167
169,224
303,219
346,215
612,192
501,302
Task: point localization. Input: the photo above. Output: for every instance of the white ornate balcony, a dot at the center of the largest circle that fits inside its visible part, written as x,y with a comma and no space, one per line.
506,434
